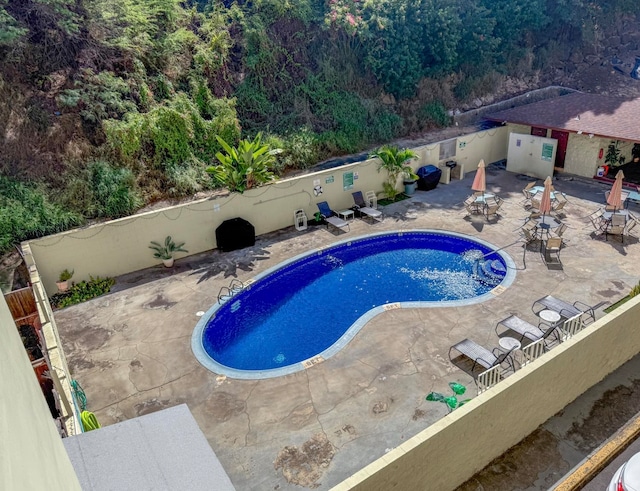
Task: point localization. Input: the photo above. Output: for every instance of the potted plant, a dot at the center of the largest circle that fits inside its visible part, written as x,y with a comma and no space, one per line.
316,220
613,156
165,251
63,280
410,181
395,162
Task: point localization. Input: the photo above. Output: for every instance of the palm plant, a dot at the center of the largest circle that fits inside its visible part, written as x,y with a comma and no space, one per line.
244,167
165,251
395,162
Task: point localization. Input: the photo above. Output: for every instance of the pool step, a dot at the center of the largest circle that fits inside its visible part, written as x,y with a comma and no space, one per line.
490,271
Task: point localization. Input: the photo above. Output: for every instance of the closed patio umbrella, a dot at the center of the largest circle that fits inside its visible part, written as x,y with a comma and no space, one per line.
479,181
615,195
545,201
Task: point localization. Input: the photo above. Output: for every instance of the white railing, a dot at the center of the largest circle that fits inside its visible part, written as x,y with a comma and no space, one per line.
489,378
572,326
532,351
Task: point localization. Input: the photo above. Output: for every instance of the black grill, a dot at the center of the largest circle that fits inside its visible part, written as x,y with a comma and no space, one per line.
235,233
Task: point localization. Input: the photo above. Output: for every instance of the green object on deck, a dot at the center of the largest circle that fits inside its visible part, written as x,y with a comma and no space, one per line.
89,421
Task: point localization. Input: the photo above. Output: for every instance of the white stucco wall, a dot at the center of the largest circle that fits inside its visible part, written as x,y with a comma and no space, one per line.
32,456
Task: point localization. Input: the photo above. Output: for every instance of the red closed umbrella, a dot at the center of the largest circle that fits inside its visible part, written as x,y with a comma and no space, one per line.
479,181
615,195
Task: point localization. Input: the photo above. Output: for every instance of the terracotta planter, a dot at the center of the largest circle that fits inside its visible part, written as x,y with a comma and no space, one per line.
167,262
63,286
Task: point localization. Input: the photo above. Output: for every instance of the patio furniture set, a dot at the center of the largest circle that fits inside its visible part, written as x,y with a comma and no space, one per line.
541,226
618,223
363,208
481,203
615,219
520,342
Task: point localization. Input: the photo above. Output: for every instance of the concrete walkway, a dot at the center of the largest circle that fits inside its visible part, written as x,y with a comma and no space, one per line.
131,352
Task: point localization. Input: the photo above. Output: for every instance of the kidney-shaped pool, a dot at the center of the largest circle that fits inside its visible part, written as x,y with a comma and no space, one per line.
308,308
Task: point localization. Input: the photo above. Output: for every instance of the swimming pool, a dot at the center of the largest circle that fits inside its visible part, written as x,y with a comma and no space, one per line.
308,308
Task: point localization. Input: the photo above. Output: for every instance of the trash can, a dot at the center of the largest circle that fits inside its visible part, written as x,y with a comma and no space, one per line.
429,177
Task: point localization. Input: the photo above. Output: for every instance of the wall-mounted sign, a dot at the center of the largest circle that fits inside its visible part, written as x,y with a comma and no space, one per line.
347,181
547,152
328,180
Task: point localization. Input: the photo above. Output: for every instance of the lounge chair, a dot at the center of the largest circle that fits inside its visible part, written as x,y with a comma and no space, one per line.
363,209
331,217
515,327
475,359
565,309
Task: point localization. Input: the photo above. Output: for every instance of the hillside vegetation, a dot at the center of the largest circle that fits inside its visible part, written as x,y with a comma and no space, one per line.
112,104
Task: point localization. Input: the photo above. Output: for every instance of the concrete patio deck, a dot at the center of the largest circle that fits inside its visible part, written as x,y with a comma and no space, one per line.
130,350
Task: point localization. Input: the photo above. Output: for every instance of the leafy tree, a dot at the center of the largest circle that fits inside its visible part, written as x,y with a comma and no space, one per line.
245,166
10,30
423,36
394,162
477,49
515,21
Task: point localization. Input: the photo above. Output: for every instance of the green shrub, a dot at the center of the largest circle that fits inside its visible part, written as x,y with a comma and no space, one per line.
162,87
188,178
77,195
436,114
81,292
99,96
113,190
300,149
175,135
170,134
26,212
635,290
124,138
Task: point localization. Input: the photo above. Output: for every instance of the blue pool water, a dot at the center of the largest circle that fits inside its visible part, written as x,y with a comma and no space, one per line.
314,304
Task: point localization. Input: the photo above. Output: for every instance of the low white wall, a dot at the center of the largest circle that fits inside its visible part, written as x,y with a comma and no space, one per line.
451,451
121,246
32,455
